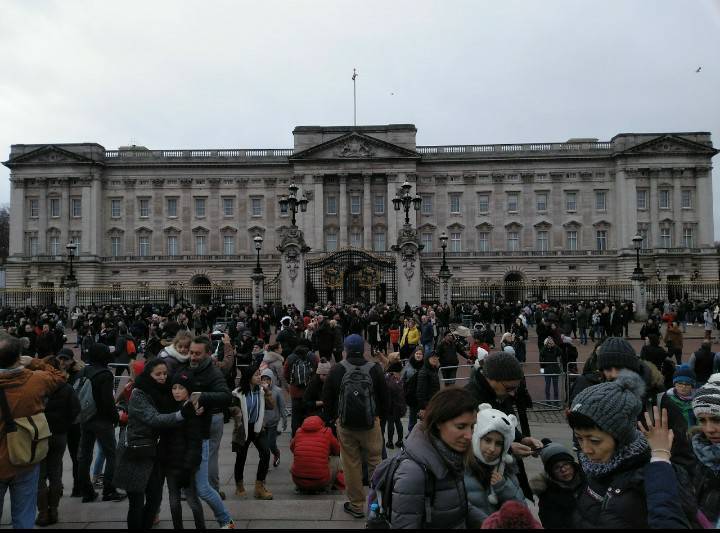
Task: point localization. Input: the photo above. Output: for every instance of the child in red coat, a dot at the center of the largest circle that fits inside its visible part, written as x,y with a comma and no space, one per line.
316,457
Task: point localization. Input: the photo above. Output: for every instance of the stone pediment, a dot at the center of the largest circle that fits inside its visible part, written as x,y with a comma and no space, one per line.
50,155
672,145
355,146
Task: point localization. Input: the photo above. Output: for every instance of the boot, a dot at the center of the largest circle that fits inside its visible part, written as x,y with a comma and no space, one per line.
42,505
54,496
240,489
261,493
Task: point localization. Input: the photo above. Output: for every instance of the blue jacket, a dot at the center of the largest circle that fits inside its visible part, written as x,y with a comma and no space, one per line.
427,334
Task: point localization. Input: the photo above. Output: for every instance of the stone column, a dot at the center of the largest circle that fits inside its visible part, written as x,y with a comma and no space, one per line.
258,288
407,252
367,212
390,209
71,295
292,268
343,212
640,299
318,211
445,291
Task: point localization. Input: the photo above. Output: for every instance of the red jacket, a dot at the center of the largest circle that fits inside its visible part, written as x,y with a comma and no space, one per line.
312,447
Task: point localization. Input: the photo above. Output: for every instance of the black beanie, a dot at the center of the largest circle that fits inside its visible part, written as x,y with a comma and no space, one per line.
616,352
502,366
185,379
100,353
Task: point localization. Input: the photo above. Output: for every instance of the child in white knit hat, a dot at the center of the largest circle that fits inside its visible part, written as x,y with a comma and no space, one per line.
491,478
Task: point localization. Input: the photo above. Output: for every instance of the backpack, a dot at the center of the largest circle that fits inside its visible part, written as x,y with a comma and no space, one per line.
410,390
84,389
301,372
130,348
381,489
356,409
27,438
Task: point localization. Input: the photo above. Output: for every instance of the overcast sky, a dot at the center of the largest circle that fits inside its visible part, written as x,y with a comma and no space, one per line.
227,74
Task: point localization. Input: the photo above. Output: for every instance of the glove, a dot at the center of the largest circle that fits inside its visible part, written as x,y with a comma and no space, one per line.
188,410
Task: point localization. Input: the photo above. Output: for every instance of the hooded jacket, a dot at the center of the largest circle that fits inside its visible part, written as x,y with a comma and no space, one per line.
274,361
174,360
210,381
25,390
312,447
274,414
61,409
449,498
103,382
428,383
557,500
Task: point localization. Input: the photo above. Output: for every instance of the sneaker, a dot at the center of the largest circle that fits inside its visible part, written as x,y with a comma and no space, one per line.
389,446
90,497
352,512
229,525
113,496
98,481
276,460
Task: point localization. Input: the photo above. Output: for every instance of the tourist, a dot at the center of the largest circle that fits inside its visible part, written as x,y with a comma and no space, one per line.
674,340
299,368
520,335
409,378
557,486
177,354
357,417
491,478
410,338
706,446
681,393
437,448
428,382
448,352
550,361
312,397
631,469
427,335
253,397
274,415
24,384
316,461
396,406
704,362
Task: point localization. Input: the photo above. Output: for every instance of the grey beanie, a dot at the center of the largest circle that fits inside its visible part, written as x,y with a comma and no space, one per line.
614,406
553,452
618,353
502,366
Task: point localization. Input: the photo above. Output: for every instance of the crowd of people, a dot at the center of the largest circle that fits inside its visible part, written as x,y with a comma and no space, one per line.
143,399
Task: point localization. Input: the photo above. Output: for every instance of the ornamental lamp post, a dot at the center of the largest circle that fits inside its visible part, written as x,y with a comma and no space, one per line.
294,204
444,273
404,200
258,240
71,248
638,273
444,269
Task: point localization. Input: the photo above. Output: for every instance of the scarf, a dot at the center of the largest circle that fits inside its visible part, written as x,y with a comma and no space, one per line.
454,460
684,405
161,395
172,352
706,452
637,448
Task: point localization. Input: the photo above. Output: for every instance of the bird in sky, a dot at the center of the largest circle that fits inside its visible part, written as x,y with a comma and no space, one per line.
698,70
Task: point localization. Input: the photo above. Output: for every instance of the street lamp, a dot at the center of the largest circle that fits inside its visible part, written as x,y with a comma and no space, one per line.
638,273
292,203
657,274
71,247
444,270
403,199
258,246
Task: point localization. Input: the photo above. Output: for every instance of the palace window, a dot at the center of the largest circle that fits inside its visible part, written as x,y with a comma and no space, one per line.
665,237
54,207
228,245
571,240
379,204
115,246
513,241
355,238
257,207
601,239
34,246
55,245
571,201
200,242
228,207
199,207
484,241
643,232
330,241
513,202
34,208
542,241
455,202
664,198
686,199
331,205
688,237
144,207
76,207
427,204
456,242
542,201
144,246
379,241
172,245
115,208
483,203
601,200
427,239
75,239
355,204
642,198
172,205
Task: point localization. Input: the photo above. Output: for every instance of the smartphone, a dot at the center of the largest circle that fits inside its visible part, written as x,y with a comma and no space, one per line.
195,396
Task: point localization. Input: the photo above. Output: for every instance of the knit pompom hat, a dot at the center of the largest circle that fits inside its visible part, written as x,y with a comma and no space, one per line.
614,406
684,374
512,515
707,398
185,379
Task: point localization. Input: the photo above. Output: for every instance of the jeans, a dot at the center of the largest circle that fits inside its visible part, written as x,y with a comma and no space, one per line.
583,336
174,490
51,467
271,434
104,433
412,418
427,348
298,414
392,424
548,381
260,442
205,492
99,461
23,497
144,505
216,432
447,376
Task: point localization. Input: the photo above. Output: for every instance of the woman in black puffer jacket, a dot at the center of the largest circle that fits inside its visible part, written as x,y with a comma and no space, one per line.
181,452
706,445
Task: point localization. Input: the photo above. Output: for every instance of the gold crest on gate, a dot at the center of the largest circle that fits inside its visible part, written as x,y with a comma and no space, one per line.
332,277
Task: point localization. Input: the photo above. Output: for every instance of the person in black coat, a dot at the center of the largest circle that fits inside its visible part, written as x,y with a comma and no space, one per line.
61,410
428,382
558,486
312,397
181,452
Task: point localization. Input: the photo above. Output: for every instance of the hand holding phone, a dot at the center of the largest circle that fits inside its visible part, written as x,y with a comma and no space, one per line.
195,398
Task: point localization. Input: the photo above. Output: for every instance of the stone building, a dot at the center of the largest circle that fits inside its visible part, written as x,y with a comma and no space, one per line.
546,211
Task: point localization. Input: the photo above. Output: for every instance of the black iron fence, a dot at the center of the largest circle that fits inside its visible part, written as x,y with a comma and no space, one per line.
272,293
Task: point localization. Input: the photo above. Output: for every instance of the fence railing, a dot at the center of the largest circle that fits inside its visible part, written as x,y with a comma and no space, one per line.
18,298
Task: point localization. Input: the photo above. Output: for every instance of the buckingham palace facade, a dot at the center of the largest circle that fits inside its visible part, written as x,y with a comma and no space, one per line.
560,211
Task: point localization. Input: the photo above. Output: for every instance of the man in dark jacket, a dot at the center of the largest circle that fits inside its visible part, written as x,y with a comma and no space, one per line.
101,427
301,356
356,442
704,362
214,396
324,337
427,335
428,382
287,337
447,351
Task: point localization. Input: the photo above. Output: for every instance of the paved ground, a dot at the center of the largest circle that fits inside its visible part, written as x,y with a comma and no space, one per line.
287,510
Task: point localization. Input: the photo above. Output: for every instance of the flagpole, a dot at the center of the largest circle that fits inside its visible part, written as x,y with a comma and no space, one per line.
354,99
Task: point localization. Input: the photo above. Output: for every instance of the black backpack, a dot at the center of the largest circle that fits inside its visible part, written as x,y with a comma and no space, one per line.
356,409
410,390
301,372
